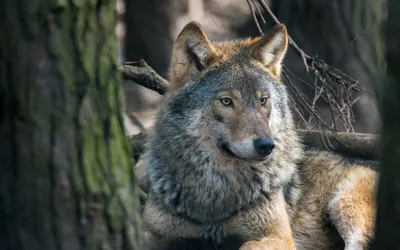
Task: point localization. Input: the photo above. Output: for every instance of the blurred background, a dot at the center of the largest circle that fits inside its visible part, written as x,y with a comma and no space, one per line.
345,34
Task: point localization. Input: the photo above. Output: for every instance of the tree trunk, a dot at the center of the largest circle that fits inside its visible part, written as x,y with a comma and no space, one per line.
66,176
388,219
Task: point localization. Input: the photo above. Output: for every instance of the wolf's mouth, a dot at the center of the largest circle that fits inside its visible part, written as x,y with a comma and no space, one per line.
225,148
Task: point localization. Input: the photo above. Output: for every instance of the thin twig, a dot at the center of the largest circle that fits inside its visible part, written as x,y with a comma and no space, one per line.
254,17
136,122
346,52
259,12
299,51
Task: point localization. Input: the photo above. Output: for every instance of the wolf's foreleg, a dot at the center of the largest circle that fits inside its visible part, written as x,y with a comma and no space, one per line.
270,220
353,208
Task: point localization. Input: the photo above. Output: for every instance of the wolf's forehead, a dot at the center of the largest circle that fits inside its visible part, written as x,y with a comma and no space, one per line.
245,77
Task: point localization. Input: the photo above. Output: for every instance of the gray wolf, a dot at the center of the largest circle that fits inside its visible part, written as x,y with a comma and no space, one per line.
226,169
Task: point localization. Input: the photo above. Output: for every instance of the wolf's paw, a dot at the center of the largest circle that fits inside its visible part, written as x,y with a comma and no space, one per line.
265,245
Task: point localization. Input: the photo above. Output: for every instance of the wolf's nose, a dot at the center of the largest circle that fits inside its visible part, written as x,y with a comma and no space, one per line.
263,145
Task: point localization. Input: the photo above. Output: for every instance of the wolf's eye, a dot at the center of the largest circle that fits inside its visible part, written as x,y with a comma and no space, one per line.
263,101
226,101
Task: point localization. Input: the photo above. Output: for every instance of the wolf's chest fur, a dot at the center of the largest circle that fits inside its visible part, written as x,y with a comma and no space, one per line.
203,195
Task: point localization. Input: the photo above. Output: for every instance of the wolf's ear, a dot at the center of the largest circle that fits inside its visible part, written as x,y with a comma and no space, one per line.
270,50
192,53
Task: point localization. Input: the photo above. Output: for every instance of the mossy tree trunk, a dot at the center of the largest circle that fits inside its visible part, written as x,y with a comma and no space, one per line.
66,177
388,220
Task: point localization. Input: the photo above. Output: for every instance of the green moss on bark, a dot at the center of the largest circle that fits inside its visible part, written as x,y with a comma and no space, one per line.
67,179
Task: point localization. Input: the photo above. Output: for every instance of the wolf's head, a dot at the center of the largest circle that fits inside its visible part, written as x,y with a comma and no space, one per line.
225,131
230,93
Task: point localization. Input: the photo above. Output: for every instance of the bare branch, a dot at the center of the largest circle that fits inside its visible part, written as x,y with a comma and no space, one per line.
299,51
259,12
144,75
358,145
254,16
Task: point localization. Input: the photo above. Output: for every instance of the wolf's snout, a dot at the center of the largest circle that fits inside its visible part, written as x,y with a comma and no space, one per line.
263,145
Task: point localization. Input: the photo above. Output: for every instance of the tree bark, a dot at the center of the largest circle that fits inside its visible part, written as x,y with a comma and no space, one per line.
66,175
388,219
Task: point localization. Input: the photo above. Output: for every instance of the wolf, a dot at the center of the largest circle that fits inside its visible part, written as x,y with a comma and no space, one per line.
224,165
